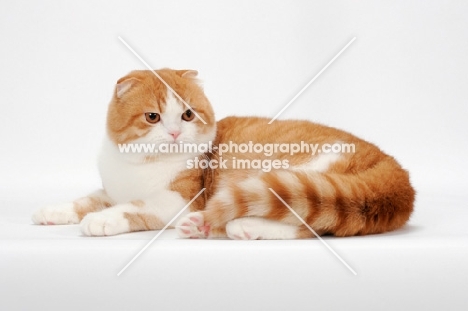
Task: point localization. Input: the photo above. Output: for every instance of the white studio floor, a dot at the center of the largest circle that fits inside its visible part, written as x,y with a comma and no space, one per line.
420,267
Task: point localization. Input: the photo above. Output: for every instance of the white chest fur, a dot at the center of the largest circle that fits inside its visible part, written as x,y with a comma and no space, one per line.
125,177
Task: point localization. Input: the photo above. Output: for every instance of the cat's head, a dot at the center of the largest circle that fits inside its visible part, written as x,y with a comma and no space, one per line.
144,110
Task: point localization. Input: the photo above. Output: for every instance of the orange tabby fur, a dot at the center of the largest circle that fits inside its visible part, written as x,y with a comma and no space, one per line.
365,192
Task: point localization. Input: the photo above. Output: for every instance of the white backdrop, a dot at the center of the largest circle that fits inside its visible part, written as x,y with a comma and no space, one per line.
402,84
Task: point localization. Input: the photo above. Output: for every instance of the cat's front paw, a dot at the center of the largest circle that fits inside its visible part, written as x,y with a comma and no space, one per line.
192,226
104,223
61,214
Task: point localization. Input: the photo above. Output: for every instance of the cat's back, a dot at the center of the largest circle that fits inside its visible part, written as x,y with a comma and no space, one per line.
355,153
241,129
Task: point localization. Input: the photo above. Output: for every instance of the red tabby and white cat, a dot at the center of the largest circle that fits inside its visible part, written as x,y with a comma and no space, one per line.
343,194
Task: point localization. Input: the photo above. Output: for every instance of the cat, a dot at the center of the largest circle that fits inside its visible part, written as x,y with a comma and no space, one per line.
246,193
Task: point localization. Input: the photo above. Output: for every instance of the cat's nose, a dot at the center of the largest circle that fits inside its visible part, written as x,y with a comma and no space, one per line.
174,134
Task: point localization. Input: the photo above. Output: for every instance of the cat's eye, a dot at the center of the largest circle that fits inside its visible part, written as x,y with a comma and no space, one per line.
188,115
152,117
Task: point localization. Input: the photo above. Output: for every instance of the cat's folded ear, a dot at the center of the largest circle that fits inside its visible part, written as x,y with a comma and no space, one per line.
124,84
187,73
190,74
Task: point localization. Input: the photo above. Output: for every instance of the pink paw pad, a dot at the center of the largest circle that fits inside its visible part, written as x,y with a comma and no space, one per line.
205,229
196,220
185,231
193,226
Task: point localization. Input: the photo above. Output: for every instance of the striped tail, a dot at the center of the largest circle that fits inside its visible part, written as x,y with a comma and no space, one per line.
376,200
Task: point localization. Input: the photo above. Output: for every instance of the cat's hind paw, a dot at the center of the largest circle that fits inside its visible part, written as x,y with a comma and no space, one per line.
243,229
104,223
192,226
61,214
257,228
